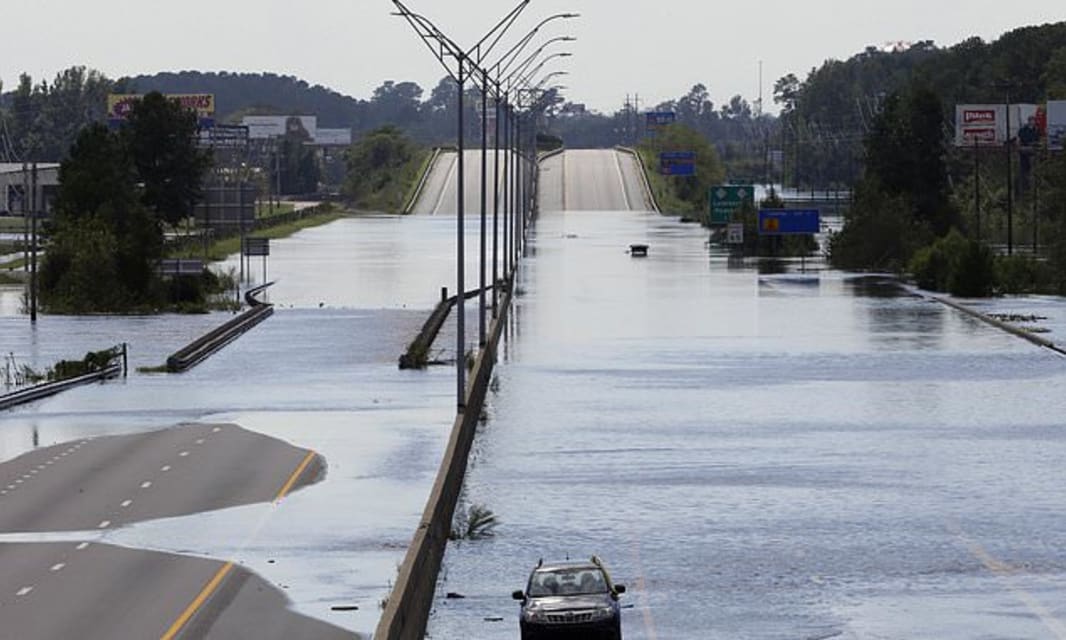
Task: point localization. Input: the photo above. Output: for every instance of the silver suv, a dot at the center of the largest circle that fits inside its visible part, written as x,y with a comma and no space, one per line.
570,599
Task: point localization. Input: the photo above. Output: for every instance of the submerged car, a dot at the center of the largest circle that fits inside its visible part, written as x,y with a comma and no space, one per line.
570,600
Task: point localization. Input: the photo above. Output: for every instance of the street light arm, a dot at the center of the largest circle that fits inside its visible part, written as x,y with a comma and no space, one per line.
525,80
429,33
508,58
498,31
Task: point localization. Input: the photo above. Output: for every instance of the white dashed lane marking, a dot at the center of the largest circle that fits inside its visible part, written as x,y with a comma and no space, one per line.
216,430
183,454
146,484
57,567
23,591
127,503
166,468
81,547
105,524
200,441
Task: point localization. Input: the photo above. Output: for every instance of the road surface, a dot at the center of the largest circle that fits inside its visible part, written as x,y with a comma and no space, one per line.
756,452
86,589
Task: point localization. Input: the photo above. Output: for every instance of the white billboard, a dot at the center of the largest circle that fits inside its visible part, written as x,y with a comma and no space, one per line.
980,124
333,138
985,125
263,127
1056,125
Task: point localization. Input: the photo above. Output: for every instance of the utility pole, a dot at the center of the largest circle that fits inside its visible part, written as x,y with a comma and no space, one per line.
1010,187
33,249
25,217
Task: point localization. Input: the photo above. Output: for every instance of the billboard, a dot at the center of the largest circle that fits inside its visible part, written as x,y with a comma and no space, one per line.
265,127
986,124
333,137
677,163
980,125
119,105
1056,125
789,222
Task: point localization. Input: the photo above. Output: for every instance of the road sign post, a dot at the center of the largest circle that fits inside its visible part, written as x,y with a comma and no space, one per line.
789,222
678,163
725,201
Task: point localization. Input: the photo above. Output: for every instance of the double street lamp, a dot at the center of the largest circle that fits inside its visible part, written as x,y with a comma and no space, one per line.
470,64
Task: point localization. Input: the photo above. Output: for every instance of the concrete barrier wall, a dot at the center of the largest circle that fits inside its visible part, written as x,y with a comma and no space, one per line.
407,612
648,191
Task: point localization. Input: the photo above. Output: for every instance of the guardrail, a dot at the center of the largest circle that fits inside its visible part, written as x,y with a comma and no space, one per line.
643,177
202,348
48,389
422,181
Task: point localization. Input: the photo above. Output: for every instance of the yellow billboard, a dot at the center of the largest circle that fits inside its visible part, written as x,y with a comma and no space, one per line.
120,104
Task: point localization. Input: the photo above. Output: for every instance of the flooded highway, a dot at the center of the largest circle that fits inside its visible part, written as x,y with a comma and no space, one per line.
320,375
754,452
761,455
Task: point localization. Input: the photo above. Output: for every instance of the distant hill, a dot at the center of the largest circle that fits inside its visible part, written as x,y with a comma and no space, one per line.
238,94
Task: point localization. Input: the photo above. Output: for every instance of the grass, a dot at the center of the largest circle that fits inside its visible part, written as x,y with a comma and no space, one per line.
222,249
280,209
664,194
413,184
11,224
14,265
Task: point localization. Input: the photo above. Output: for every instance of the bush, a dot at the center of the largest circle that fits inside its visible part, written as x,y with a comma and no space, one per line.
1023,274
955,264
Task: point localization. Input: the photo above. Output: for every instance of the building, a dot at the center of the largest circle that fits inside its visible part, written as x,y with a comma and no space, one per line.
15,181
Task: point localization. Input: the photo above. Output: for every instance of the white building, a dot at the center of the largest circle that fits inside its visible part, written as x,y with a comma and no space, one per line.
15,181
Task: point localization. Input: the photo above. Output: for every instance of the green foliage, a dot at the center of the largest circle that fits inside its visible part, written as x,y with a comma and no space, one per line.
161,138
1022,275
955,264
92,362
683,194
478,523
904,199
47,117
382,167
116,191
906,151
878,234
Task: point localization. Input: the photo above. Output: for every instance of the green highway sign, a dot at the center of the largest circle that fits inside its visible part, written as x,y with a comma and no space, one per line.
726,200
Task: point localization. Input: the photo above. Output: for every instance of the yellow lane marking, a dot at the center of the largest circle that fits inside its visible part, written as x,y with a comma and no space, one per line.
1008,573
294,477
195,605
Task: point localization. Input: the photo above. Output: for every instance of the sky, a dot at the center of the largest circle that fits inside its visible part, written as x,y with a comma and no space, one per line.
658,49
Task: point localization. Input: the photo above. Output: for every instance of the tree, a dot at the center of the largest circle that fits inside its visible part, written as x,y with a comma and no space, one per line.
161,137
907,151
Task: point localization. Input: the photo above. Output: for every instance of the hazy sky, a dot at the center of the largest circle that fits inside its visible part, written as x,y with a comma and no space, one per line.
657,48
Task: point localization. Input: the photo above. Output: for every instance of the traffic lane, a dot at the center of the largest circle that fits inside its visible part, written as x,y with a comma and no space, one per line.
592,180
637,195
443,198
436,182
97,591
552,179
108,482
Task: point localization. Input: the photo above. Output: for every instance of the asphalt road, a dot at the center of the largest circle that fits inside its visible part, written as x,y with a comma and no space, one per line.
83,589
439,195
592,180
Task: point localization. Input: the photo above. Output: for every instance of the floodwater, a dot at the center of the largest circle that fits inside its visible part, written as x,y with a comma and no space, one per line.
763,455
321,373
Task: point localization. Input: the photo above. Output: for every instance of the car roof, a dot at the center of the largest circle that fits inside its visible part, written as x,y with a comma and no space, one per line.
557,566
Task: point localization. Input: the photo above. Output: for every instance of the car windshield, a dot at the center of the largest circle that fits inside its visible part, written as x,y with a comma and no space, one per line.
567,582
